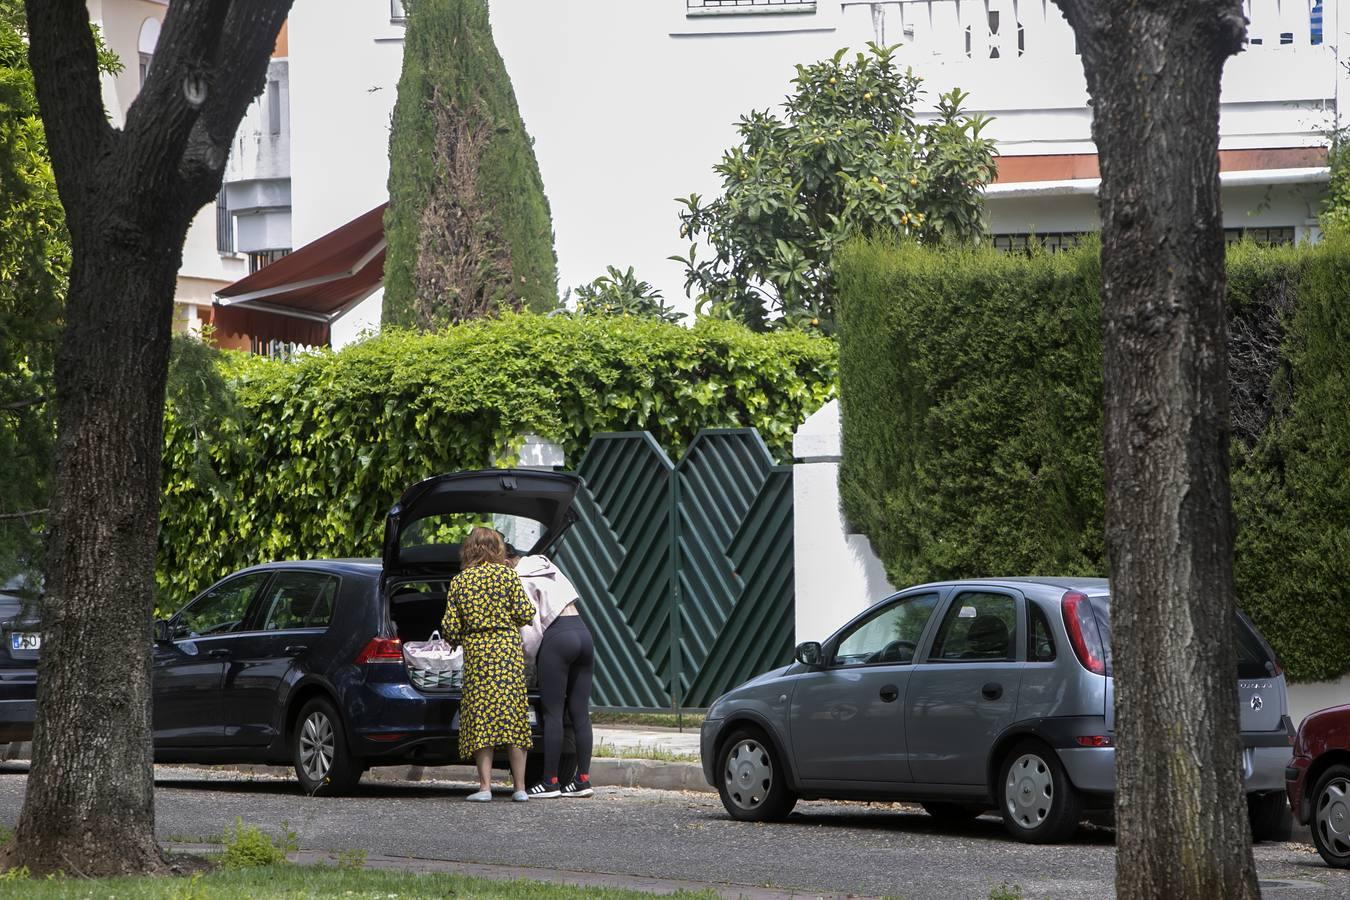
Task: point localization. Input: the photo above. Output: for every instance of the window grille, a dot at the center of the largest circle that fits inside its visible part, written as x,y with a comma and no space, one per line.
1052,241
224,225
747,7
1267,236
264,258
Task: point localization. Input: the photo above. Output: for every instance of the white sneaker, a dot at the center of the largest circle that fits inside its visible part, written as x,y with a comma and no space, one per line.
520,797
479,797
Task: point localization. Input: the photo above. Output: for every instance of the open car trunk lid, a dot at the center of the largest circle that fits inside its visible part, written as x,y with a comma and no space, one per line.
538,496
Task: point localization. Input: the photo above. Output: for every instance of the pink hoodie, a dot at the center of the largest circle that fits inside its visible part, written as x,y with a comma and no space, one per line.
549,591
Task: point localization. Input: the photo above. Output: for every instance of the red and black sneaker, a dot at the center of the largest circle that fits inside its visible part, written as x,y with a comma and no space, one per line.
579,787
544,790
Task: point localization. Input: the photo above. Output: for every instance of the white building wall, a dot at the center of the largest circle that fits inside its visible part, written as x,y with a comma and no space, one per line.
837,574
632,103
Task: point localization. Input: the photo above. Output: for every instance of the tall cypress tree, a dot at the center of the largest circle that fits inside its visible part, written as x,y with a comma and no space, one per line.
468,224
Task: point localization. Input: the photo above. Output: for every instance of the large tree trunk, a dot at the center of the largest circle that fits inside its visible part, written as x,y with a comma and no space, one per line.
129,197
1153,70
89,809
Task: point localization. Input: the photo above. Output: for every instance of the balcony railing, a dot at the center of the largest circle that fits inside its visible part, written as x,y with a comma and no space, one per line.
1007,29
747,7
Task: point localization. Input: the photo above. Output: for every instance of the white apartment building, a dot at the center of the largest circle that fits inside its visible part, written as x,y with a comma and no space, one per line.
631,103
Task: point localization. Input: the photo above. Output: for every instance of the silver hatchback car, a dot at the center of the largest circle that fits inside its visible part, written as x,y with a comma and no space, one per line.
968,696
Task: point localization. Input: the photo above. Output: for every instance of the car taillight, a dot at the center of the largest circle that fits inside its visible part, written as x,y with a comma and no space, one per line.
1083,633
1094,740
380,650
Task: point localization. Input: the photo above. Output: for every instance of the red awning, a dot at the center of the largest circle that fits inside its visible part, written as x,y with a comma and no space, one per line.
297,298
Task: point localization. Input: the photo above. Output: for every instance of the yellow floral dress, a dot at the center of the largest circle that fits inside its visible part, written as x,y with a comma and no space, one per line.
487,608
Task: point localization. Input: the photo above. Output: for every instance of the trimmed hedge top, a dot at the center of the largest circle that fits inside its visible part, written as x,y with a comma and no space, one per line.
272,460
971,384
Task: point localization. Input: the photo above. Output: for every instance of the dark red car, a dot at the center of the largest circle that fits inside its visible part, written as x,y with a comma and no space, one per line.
1319,782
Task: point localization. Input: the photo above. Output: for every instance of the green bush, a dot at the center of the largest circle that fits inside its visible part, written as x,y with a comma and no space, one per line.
269,460
246,847
468,223
972,387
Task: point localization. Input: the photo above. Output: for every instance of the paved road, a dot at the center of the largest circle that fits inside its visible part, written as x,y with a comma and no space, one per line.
867,850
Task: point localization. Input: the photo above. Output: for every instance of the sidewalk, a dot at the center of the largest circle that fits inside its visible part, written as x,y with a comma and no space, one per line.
627,761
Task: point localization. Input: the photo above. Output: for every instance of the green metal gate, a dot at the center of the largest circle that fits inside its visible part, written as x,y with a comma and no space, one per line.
685,570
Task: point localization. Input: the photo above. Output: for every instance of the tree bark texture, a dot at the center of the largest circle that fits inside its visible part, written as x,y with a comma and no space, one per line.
1153,70
129,197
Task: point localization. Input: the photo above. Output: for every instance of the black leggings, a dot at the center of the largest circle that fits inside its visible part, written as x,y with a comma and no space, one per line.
565,664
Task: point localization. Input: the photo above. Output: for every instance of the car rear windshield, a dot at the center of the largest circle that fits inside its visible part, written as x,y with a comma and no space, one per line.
1255,659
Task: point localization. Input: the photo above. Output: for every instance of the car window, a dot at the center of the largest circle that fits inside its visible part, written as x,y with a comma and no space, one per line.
979,626
299,600
220,610
1040,640
890,636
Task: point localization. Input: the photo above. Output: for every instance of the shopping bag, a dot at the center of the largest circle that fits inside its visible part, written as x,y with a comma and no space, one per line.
433,663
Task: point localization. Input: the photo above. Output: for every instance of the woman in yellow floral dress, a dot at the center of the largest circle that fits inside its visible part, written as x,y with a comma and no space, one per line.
487,608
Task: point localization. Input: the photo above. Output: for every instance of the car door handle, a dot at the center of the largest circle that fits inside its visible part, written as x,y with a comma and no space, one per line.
296,649
220,653
889,692
992,690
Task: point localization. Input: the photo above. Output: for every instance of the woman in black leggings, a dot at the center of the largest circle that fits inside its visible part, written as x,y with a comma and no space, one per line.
566,664
564,658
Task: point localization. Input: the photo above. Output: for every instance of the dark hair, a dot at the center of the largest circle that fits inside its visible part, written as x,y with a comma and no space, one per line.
483,545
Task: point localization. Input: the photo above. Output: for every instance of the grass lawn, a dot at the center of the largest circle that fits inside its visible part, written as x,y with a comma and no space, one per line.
641,751
310,881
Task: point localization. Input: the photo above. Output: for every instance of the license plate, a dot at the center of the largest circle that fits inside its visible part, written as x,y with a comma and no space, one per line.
533,719
25,640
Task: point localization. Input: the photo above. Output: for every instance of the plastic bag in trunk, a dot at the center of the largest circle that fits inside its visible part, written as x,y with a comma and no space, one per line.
433,663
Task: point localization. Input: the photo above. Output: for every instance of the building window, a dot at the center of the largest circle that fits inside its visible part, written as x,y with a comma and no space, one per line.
1266,236
224,225
745,7
396,11
273,107
145,66
264,258
1051,241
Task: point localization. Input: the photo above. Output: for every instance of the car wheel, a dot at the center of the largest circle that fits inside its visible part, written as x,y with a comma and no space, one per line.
323,762
952,813
1270,816
1038,803
1331,816
752,780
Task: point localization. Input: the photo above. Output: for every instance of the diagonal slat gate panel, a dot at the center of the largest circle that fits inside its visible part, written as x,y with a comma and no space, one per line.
734,508
618,554
685,571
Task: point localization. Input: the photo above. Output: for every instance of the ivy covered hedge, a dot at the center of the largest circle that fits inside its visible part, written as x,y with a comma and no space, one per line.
272,460
972,381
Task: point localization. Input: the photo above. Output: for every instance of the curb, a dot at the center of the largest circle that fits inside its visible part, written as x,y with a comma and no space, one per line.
628,773
653,774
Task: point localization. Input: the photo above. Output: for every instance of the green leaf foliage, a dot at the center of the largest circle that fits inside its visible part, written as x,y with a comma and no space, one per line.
34,264
268,460
622,294
468,226
971,385
847,158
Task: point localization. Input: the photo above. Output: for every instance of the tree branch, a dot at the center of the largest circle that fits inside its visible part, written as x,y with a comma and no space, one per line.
23,404
64,58
241,66
23,515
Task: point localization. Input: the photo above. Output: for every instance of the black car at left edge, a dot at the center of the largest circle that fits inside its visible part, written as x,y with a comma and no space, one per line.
301,663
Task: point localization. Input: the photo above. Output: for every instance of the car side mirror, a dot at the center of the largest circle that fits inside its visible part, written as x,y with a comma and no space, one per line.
162,632
809,653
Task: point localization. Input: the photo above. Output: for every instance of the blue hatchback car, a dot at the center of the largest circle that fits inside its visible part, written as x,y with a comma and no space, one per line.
301,663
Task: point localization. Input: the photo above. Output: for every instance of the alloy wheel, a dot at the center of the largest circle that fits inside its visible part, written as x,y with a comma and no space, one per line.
1332,818
749,773
316,746
1030,791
